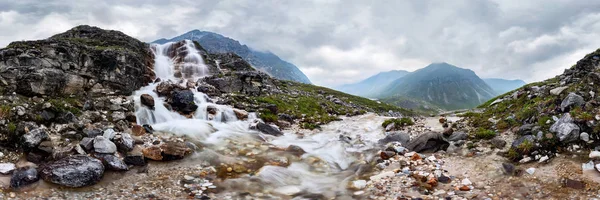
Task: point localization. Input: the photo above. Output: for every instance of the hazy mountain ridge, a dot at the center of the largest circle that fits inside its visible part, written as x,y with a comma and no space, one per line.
502,86
263,61
372,85
441,84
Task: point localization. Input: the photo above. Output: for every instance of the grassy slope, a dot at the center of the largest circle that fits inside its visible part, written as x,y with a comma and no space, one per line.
309,103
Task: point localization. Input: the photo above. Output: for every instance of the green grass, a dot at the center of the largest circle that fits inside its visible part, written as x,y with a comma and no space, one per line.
398,122
312,106
66,105
12,127
484,134
4,111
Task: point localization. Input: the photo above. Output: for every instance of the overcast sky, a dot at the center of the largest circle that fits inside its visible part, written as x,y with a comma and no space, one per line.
342,41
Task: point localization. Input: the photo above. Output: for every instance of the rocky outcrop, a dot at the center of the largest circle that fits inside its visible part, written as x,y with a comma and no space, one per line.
83,60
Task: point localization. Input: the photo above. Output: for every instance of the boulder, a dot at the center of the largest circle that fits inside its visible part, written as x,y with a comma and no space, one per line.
103,145
87,143
565,129
428,142
572,100
23,177
267,129
521,140
147,100
458,136
153,153
135,157
295,150
174,150
164,88
34,137
402,138
240,114
74,171
124,142
92,132
112,162
183,102
558,90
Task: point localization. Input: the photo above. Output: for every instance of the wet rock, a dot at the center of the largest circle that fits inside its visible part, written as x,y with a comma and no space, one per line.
135,157
565,129
153,153
23,177
34,137
174,150
103,145
444,179
458,136
208,89
92,132
267,129
147,100
138,130
112,162
240,114
164,88
87,143
428,142
498,143
7,168
74,171
402,138
572,100
211,110
295,150
183,102
124,142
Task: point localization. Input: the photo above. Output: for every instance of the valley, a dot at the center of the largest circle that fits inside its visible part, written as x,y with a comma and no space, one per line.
96,114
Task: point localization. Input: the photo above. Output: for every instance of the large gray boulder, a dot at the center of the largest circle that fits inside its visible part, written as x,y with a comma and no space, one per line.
103,145
570,101
74,171
183,101
565,129
428,143
23,177
34,137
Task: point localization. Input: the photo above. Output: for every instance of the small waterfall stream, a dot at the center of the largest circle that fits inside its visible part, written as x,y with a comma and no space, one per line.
333,156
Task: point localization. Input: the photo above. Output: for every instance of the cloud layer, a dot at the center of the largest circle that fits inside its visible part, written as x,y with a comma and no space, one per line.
343,41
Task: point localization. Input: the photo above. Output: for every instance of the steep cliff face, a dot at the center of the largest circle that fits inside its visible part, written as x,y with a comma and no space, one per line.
82,61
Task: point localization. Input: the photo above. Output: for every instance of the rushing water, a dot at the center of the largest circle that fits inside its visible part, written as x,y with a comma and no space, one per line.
334,155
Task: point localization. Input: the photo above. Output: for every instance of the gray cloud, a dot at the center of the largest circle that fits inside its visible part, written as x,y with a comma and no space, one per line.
342,41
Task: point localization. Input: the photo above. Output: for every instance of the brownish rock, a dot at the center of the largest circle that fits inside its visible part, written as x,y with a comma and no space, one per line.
432,181
385,155
138,130
442,120
464,188
574,184
448,131
153,153
174,150
147,100
416,157
240,114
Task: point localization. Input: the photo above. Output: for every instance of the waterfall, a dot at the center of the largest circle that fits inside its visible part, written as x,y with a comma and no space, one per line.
221,132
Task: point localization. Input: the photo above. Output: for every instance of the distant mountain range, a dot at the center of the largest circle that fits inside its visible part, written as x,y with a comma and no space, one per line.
373,85
438,86
502,86
264,61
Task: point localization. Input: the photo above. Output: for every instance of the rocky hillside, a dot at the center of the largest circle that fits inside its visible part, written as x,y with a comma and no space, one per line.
263,61
556,115
502,86
373,85
443,85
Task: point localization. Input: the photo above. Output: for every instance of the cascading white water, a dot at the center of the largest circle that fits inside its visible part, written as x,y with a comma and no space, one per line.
180,64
